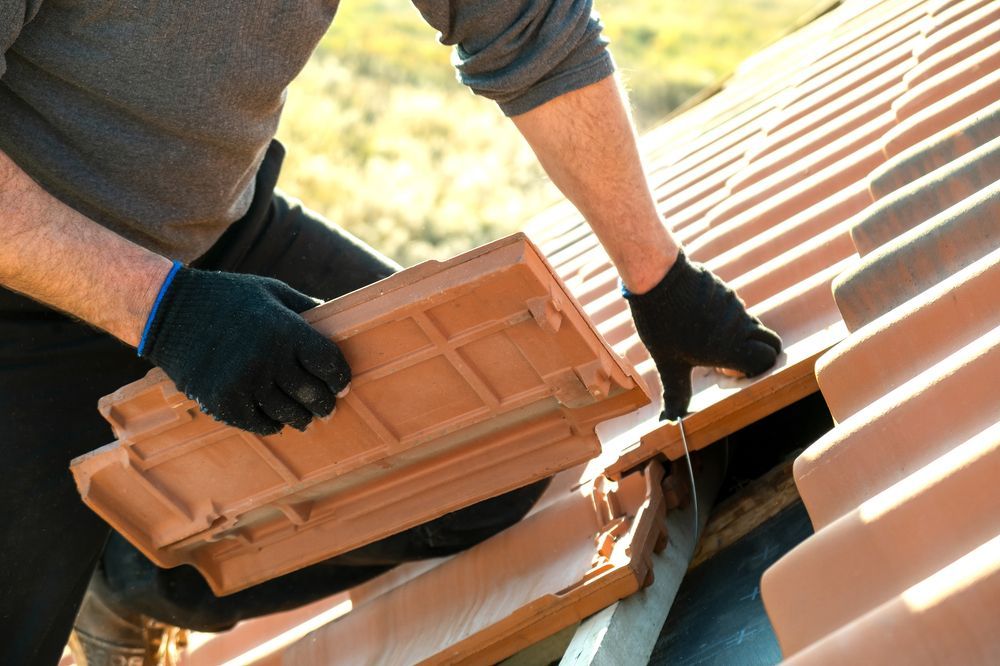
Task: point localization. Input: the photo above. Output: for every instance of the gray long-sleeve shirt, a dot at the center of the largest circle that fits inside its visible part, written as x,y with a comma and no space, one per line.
151,117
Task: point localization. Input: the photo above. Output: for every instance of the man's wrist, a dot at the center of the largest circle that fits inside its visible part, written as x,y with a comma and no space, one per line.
648,266
156,287
58,256
126,307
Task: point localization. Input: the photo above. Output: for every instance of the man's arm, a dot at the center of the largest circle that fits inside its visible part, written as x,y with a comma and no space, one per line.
684,315
60,257
234,343
585,141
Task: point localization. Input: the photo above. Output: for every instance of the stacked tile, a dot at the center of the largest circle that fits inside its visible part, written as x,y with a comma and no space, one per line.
905,564
583,551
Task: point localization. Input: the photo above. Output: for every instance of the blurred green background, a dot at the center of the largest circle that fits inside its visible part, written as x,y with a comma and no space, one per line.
384,141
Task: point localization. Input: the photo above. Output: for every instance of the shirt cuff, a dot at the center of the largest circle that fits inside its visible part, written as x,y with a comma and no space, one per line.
584,74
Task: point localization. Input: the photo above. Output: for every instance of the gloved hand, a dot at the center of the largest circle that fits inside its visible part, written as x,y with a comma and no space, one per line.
236,344
692,318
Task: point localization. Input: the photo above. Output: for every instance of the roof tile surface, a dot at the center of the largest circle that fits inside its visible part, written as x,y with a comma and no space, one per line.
844,180
902,492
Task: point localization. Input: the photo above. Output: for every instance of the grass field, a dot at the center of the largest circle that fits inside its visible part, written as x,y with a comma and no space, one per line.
384,141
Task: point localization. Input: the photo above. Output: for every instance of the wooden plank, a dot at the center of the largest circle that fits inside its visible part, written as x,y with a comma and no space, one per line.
625,633
735,411
543,653
752,506
722,405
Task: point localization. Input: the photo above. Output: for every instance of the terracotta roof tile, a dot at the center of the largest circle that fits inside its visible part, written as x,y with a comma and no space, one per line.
471,378
949,315
938,150
889,543
919,258
903,491
944,619
910,205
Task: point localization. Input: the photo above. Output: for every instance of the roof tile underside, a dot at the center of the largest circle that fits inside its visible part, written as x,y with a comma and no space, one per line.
471,378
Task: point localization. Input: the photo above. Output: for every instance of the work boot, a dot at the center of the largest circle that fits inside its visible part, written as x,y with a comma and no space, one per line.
103,637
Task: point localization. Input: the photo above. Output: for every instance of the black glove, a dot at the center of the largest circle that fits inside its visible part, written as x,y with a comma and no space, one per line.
237,345
692,318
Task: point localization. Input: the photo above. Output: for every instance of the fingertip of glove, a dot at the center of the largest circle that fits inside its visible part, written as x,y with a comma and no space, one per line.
301,422
674,408
291,297
672,414
768,337
760,357
323,359
301,427
265,427
252,420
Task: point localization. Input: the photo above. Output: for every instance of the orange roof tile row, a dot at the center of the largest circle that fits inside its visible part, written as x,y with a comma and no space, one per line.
261,640
810,170
771,181
905,564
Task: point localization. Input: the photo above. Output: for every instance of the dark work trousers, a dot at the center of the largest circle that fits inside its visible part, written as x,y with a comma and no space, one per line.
53,369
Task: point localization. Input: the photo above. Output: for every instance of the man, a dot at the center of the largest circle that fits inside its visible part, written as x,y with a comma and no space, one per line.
137,175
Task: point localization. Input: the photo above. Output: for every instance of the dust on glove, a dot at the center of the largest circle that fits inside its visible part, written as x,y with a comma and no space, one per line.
236,344
692,318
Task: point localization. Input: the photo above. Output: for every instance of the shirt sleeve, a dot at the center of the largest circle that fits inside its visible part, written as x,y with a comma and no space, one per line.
521,53
14,15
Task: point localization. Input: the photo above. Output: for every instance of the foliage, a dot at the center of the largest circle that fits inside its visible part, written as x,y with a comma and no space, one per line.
383,140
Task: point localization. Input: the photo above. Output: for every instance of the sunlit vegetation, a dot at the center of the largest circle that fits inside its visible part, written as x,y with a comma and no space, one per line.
384,141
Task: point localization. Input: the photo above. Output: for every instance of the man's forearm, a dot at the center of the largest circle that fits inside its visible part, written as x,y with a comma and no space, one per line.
586,143
53,254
